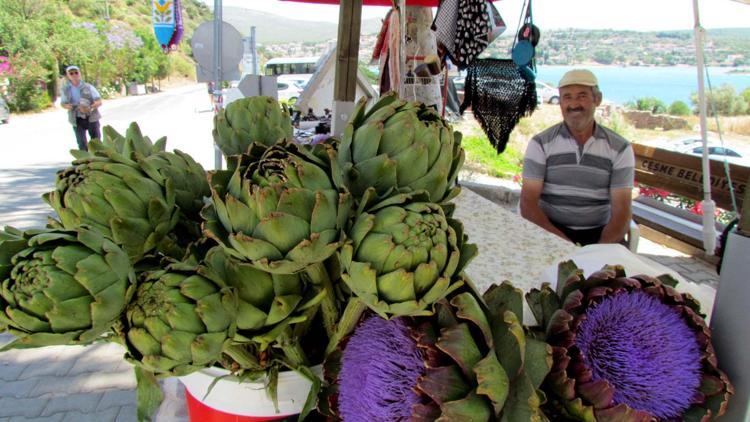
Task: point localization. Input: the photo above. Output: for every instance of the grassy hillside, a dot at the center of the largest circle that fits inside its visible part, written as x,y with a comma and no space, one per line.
274,29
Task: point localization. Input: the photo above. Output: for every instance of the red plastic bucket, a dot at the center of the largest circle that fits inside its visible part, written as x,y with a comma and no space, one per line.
199,412
230,400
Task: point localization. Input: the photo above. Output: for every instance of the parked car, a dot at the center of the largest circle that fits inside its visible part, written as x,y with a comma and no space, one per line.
288,91
715,151
4,111
546,93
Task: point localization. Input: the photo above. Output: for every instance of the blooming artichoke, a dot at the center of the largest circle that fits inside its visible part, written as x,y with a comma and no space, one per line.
404,255
628,348
398,145
251,120
61,287
178,321
280,211
470,361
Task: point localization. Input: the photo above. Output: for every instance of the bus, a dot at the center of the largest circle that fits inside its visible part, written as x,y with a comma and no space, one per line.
291,66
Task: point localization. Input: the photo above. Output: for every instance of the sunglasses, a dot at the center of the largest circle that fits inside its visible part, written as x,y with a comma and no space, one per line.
73,72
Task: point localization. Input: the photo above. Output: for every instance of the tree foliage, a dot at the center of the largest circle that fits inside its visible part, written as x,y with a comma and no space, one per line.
42,37
723,101
679,108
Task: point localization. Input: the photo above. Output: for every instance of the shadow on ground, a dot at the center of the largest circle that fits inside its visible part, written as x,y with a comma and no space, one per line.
21,190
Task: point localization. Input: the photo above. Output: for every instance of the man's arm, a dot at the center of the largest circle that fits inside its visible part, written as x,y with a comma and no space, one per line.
96,97
531,192
64,100
619,223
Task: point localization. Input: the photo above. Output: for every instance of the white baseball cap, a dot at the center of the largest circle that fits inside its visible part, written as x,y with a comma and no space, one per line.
72,67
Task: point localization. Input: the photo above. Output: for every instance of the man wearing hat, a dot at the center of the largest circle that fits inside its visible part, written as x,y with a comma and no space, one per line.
578,174
82,101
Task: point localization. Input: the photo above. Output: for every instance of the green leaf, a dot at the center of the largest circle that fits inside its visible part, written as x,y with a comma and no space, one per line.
492,381
470,409
444,384
148,394
458,343
502,298
469,308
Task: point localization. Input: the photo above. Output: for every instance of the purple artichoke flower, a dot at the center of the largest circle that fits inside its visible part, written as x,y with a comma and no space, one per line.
645,350
469,361
627,348
379,372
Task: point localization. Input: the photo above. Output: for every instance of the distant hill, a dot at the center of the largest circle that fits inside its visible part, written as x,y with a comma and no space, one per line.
275,29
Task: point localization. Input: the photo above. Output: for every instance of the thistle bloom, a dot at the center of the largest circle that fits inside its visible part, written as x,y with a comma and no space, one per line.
627,348
379,372
645,350
469,361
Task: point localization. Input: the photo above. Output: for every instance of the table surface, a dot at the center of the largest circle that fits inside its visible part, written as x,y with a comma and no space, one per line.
510,247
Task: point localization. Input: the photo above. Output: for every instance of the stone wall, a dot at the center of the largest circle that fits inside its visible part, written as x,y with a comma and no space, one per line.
646,120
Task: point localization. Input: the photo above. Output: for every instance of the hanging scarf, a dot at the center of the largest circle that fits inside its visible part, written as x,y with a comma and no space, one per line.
499,97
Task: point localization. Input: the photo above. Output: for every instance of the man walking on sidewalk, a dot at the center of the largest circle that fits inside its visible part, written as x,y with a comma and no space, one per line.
82,101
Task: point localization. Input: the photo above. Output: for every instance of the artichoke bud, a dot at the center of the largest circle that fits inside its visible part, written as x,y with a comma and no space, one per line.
399,146
280,211
404,256
173,315
62,287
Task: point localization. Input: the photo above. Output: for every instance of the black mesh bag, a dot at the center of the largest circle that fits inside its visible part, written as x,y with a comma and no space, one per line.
499,97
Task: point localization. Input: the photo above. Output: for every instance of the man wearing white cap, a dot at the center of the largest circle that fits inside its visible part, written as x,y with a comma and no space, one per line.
82,101
578,174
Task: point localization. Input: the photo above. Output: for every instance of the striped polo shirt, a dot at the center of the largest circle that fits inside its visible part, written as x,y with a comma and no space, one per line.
577,179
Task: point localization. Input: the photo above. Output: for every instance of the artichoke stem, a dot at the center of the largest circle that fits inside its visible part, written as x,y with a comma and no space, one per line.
328,306
352,313
242,356
293,351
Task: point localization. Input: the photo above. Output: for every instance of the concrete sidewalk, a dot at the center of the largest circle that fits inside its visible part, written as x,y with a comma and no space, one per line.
94,383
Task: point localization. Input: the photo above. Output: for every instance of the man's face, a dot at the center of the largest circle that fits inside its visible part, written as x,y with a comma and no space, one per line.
578,104
75,76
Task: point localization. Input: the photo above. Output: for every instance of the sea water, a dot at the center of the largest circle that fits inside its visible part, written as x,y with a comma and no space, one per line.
623,84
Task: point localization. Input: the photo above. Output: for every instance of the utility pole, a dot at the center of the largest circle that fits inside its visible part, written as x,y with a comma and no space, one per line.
217,73
254,51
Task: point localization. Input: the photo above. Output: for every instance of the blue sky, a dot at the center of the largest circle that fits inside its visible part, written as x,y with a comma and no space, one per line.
639,15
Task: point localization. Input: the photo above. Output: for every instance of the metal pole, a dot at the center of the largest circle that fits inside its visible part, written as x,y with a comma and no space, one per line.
254,51
708,205
217,73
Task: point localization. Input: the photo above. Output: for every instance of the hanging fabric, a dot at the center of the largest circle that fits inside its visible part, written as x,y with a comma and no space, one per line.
464,28
174,42
386,53
499,96
162,15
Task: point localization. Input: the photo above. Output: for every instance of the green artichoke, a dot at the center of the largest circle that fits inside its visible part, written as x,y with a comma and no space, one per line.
61,287
627,348
114,195
188,177
404,255
178,321
397,146
470,361
278,210
266,303
251,120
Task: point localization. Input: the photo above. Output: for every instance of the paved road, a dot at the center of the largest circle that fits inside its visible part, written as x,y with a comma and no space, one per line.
76,383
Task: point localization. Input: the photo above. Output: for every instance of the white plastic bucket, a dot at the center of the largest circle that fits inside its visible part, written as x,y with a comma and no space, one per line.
230,396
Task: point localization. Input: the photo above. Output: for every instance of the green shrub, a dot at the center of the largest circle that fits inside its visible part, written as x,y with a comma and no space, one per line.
652,104
619,125
679,108
724,101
